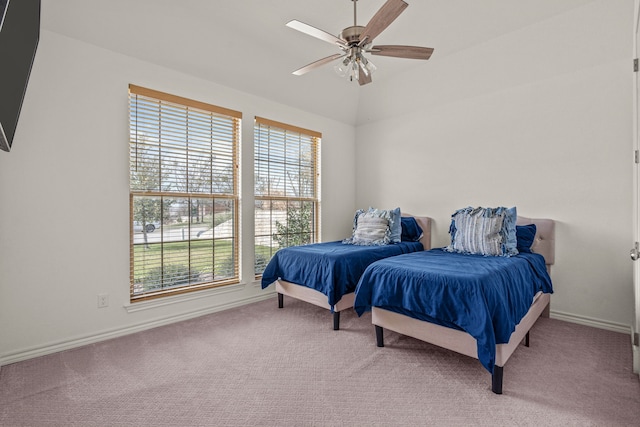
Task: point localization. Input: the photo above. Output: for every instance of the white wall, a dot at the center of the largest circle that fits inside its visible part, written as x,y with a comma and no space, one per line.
539,118
64,232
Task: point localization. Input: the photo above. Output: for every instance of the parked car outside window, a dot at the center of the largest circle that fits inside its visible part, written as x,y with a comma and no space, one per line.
149,227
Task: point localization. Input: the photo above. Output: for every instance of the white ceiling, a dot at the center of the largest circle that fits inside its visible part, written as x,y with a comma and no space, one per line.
244,44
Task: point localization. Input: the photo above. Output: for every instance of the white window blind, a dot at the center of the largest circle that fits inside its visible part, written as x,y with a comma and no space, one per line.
286,188
183,194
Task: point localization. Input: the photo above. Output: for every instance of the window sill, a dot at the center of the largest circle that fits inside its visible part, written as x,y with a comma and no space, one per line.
176,299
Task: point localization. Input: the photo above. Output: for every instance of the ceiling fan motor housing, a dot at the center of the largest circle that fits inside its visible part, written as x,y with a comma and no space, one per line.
352,34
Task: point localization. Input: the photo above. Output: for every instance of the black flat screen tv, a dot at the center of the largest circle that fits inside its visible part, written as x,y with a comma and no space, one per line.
19,35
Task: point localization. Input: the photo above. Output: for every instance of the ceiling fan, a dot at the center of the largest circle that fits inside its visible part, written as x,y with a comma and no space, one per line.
355,41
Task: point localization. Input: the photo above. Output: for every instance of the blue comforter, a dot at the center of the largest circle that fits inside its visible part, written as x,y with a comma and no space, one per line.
486,296
332,268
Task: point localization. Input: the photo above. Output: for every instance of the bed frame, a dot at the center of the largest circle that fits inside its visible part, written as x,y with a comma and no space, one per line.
462,342
315,297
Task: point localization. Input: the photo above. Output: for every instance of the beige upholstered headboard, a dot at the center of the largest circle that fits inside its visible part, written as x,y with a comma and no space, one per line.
424,223
545,240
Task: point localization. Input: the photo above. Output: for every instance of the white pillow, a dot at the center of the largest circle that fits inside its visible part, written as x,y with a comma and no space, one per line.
370,228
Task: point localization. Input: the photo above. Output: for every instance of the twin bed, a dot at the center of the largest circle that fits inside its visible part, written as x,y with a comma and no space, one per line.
326,274
479,306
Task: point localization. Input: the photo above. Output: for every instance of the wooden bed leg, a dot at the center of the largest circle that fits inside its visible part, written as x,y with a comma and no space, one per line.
526,340
379,336
496,379
336,320
280,300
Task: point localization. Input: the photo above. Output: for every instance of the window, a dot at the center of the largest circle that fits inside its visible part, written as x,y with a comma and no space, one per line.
286,188
183,194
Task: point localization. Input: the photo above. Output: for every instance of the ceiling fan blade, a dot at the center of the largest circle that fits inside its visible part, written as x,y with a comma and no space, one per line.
381,20
317,63
316,32
363,78
398,51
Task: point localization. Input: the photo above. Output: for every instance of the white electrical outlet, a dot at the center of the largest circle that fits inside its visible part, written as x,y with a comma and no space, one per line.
103,300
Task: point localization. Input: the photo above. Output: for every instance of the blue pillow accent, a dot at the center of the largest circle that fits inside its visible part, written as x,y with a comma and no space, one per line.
525,235
395,226
411,231
510,219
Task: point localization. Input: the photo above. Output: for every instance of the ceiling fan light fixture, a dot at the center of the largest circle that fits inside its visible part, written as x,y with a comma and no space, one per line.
343,67
354,72
367,66
351,65
371,67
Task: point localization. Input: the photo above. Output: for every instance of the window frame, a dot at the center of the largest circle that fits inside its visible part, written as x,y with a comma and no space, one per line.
315,138
200,109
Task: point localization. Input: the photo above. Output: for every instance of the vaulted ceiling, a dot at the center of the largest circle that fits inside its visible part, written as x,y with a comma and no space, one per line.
244,44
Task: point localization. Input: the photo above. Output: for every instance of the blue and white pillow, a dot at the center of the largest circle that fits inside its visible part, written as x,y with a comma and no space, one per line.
395,222
375,227
484,231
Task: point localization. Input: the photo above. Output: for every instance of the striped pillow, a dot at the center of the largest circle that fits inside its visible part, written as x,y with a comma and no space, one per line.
371,228
484,231
374,227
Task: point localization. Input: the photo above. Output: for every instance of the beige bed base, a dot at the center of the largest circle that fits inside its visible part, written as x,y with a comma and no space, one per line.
462,342
312,296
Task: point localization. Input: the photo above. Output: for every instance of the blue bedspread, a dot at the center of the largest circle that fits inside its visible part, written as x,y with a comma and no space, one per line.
486,296
332,268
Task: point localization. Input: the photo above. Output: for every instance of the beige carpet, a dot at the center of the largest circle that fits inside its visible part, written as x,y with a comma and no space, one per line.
260,365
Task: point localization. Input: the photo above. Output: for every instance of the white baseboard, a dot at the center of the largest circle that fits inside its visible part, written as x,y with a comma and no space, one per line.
589,321
44,350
